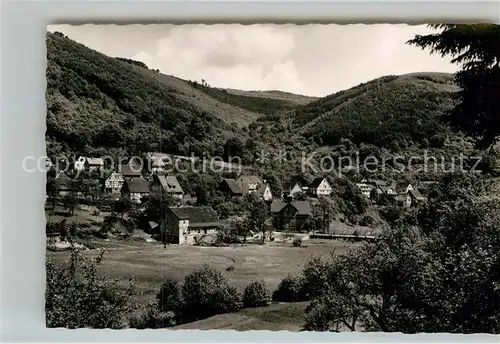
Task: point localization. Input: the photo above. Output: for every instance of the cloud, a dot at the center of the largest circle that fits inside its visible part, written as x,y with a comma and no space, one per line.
310,59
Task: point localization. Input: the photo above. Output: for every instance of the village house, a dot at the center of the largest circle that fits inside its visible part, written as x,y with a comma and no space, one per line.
291,189
296,185
92,164
365,188
416,197
404,200
264,192
290,216
79,164
388,189
403,188
319,187
135,189
168,184
249,184
184,224
133,169
230,187
113,184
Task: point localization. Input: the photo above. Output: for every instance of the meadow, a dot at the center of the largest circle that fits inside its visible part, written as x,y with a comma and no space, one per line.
149,263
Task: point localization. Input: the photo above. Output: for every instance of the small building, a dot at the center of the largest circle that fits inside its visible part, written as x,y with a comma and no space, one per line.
230,187
93,164
388,189
168,184
113,184
416,197
79,164
249,184
131,170
290,216
294,186
264,192
403,200
183,225
292,190
319,187
135,189
365,188
403,187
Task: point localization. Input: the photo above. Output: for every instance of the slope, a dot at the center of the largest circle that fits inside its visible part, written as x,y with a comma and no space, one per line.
275,317
187,91
95,101
399,110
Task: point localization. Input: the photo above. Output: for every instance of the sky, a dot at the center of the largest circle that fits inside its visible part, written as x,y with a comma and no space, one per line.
314,60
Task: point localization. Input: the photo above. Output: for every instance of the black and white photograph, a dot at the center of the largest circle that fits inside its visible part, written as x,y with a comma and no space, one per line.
319,177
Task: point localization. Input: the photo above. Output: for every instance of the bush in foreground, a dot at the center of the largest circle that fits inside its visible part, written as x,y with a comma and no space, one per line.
256,294
169,297
297,242
206,292
289,290
153,317
77,296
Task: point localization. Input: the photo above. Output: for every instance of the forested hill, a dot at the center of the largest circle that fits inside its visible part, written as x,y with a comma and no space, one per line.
395,111
97,103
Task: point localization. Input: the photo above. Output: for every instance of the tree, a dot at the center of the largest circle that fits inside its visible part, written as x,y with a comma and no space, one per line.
206,292
440,276
169,297
477,49
156,205
354,203
299,196
256,294
326,211
77,296
240,227
259,217
70,202
123,205
51,188
233,148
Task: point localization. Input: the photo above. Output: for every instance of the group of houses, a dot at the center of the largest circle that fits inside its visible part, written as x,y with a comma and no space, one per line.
319,187
405,194
184,223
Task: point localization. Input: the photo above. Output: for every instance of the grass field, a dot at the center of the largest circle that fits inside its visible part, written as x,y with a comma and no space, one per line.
149,263
276,317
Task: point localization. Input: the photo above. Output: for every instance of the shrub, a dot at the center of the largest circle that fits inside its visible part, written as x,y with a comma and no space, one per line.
169,297
297,242
153,317
289,290
76,296
316,277
206,292
256,294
